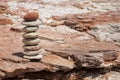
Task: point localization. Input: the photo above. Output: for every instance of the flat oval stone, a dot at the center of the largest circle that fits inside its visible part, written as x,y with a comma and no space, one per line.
31,42
30,29
31,23
30,35
32,48
33,57
31,53
31,16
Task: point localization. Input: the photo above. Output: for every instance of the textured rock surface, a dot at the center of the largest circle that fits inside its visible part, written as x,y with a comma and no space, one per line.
79,40
5,21
3,7
73,75
71,50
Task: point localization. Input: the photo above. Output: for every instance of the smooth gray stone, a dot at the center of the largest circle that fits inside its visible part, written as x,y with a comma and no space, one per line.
30,29
33,57
32,48
31,23
31,42
30,35
31,53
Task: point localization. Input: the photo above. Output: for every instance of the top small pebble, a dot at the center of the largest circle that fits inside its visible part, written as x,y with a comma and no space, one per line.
31,16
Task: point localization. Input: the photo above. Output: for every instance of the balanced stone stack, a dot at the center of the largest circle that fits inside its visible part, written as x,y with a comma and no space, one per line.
31,40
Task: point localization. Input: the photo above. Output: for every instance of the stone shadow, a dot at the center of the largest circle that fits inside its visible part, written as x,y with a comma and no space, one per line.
18,54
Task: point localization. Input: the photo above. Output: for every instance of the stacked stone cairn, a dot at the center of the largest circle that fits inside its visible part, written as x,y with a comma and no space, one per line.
31,40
